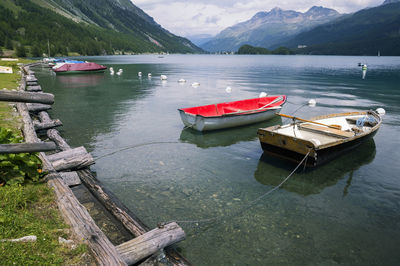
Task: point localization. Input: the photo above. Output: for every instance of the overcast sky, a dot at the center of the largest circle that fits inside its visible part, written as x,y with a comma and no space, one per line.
192,17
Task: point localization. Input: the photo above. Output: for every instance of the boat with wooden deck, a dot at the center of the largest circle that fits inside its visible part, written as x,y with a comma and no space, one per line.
322,138
231,114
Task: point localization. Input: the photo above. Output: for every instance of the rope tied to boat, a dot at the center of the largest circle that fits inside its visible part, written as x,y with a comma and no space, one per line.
247,206
365,119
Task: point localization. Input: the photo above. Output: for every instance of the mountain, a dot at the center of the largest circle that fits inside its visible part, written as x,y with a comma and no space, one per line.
87,27
363,33
199,39
267,29
390,2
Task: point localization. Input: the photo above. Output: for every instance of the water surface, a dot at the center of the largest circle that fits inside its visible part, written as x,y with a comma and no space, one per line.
345,212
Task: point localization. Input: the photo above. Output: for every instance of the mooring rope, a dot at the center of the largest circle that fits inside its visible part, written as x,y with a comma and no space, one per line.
246,207
213,219
136,146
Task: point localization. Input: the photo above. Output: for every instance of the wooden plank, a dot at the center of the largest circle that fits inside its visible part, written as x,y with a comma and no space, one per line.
326,131
44,117
70,178
37,107
31,78
47,125
147,244
73,163
54,135
67,154
130,221
26,97
34,88
82,224
27,147
135,226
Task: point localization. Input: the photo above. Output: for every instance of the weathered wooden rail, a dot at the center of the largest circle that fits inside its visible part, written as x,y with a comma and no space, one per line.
145,242
27,147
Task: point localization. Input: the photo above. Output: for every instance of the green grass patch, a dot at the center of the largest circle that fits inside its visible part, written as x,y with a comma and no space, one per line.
8,116
31,210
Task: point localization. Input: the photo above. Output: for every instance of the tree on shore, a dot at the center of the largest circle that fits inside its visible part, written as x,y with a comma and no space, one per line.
36,51
1,51
21,52
8,44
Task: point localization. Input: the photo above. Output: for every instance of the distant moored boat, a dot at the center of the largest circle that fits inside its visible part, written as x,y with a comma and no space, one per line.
87,67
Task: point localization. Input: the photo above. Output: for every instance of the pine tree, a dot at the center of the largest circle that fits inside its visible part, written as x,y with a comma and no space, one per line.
8,44
36,51
21,52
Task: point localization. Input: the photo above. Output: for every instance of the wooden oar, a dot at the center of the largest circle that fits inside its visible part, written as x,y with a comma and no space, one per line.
278,99
309,121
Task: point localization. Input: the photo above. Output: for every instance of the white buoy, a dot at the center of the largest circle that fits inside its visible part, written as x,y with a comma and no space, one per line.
181,81
228,89
312,102
139,74
381,111
195,84
163,77
262,94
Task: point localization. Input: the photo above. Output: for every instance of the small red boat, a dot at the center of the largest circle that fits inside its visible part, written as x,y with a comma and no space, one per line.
87,67
231,114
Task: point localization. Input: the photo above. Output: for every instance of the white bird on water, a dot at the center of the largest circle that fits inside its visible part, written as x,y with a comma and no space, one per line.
149,75
195,84
181,81
228,89
139,74
263,94
312,102
163,77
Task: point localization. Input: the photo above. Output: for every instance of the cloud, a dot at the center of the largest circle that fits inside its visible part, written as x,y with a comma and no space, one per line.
192,17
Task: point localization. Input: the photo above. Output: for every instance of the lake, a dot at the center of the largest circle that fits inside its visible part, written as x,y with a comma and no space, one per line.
344,212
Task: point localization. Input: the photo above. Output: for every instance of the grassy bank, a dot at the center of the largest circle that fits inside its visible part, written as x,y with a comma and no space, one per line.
30,209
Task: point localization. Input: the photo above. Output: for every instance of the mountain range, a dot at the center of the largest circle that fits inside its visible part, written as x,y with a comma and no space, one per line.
366,32
86,27
269,29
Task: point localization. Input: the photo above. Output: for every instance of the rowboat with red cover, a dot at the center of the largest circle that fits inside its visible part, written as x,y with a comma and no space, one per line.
231,114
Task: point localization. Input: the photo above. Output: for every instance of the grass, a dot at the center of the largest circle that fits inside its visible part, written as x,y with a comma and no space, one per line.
8,117
31,209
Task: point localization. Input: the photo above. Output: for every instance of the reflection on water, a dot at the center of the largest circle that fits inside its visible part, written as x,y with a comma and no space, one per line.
314,180
335,214
81,80
225,137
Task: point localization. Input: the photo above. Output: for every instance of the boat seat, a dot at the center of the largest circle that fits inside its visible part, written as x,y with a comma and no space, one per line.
231,110
326,131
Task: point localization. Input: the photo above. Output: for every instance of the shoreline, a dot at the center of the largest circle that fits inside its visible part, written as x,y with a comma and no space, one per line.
62,191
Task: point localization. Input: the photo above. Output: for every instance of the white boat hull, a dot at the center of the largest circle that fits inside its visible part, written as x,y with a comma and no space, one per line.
201,123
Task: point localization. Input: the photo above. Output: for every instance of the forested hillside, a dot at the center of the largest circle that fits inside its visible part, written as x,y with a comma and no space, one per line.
365,32
119,28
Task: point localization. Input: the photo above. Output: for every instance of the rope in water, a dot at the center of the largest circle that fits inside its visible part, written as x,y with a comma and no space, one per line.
247,206
214,219
136,146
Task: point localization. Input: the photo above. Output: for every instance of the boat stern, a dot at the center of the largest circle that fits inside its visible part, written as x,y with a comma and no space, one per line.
286,147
